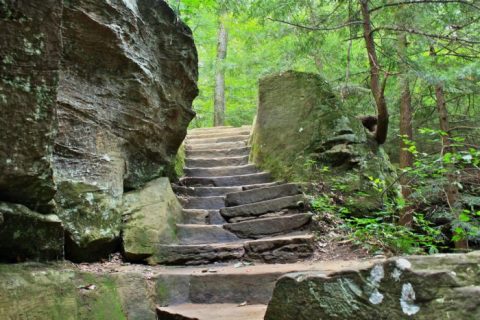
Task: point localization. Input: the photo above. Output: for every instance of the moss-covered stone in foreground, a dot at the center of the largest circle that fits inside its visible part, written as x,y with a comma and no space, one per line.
60,292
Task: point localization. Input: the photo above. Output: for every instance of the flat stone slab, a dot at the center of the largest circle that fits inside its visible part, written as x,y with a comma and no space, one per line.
216,162
259,228
286,249
205,191
220,171
207,203
263,207
262,194
203,234
228,181
220,145
213,134
195,216
196,254
212,312
220,139
214,153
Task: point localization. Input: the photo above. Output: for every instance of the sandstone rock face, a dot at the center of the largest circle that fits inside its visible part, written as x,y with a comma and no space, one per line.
29,69
151,215
300,124
96,108
27,234
418,287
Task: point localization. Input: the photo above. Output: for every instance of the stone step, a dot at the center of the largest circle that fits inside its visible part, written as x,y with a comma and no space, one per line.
285,249
260,185
219,139
220,171
263,207
202,216
198,254
219,130
204,191
216,162
192,234
208,135
264,227
228,181
216,153
195,216
261,194
219,146
212,312
207,203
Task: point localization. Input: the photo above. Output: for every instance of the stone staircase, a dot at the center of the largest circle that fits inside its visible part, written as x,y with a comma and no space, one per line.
234,213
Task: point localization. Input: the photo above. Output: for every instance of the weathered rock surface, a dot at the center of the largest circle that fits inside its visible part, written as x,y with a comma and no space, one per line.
301,122
29,70
259,228
150,216
430,287
261,194
25,234
96,108
60,292
263,207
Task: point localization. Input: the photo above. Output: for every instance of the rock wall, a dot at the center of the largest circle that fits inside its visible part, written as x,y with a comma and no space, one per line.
416,287
96,99
301,128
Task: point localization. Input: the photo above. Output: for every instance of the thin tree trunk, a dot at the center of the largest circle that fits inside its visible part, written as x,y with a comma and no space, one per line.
219,103
451,189
377,89
406,128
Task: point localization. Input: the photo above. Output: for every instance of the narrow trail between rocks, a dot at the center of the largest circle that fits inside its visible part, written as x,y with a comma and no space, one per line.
234,215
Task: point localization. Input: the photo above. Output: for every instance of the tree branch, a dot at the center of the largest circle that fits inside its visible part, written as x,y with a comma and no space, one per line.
346,24
467,3
429,35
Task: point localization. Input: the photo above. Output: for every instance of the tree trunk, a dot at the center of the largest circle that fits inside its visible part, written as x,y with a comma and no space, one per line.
406,128
219,103
451,189
377,90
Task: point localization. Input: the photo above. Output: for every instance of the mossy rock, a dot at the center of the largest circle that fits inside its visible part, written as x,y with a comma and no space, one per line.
28,235
303,133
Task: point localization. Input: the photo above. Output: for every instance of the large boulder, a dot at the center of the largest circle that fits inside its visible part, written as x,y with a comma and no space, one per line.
150,215
417,287
96,108
25,234
29,69
301,128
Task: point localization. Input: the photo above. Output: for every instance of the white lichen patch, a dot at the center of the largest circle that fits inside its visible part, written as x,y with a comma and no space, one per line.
407,300
376,297
396,274
89,197
107,158
376,275
403,264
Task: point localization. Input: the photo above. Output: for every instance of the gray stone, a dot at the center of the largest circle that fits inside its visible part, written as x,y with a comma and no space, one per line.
196,254
236,152
259,228
260,208
288,249
205,191
261,194
416,287
192,234
207,203
216,162
229,181
221,171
